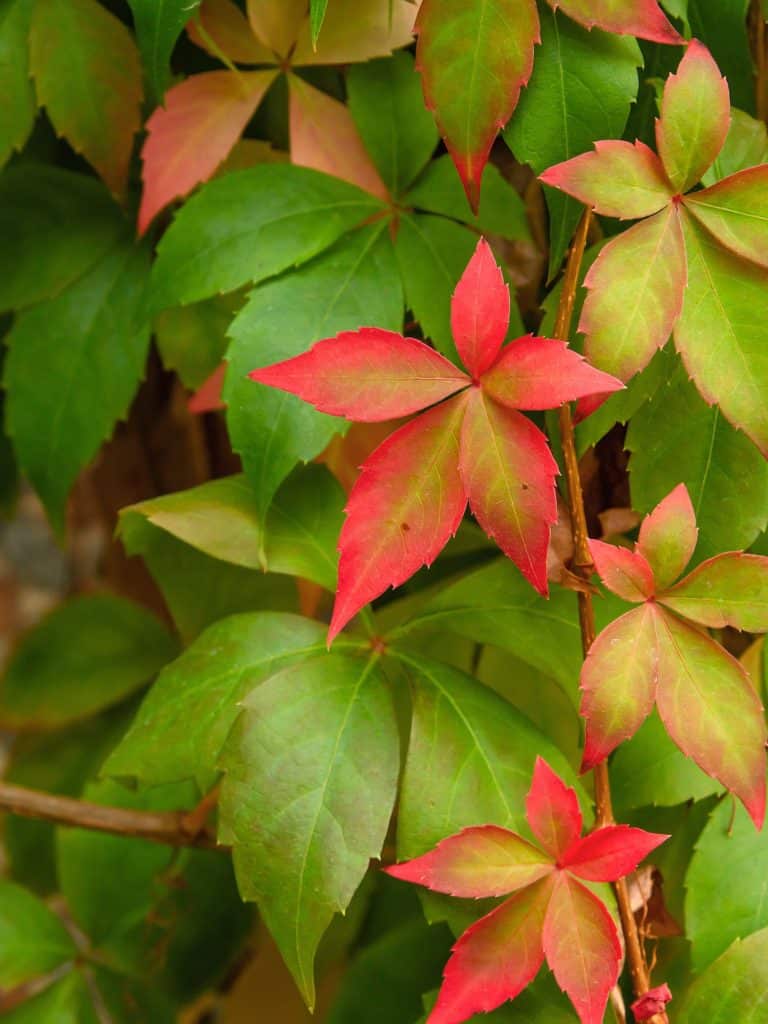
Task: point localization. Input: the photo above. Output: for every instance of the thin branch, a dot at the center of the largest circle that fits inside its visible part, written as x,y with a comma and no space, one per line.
172,828
582,565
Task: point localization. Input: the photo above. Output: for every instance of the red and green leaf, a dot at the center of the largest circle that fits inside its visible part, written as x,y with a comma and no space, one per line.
509,476
610,853
480,311
624,572
474,57
641,18
187,138
582,947
735,211
636,288
695,115
728,590
406,504
477,862
618,179
370,375
552,810
709,708
668,536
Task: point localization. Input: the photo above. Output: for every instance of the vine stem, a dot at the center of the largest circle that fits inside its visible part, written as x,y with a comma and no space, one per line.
582,566
173,828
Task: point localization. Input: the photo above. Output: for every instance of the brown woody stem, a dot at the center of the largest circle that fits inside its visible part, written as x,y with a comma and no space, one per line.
174,828
582,566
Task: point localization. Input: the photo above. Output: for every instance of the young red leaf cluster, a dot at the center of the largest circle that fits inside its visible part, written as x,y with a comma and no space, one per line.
471,445
657,653
551,915
690,243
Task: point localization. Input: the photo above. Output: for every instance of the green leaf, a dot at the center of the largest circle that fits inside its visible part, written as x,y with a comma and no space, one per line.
722,26
54,226
502,211
582,87
385,981
91,342
220,519
307,808
88,77
433,254
192,339
198,589
317,9
650,770
746,145
33,939
734,988
52,679
173,919
250,225
185,718
676,437
19,104
58,762
354,284
716,912
495,605
158,25
386,101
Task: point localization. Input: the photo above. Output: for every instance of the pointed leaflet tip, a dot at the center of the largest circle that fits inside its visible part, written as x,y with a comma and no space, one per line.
626,573
641,18
477,862
727,590
480,311
406,504
495,958
543,373
369,375
552,810
474,58
734,211
695,117
610,853
618,179
668,536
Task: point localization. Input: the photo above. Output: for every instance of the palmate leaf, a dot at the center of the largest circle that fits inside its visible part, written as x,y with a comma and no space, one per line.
87,75
397,523
650,655
306,809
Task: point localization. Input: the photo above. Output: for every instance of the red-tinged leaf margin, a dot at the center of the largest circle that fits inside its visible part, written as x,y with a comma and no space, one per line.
668,536
452,33
610,853
626,573
741,197
405,506
582,947
727,590
370,375
478,862
641,18
509,475
552,810
193,133
480,311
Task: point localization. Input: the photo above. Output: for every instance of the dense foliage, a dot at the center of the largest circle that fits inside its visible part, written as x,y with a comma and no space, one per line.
391,352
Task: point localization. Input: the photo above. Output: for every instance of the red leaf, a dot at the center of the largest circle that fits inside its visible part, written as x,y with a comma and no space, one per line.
324,137
610,853
727,590
668,536
582,947
695,117
480,311
541,373
624,572
367,375
618,682
509,476
474,58
407,503
208,398
496,958
641,18
618,179
552,810
192,134
477,862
